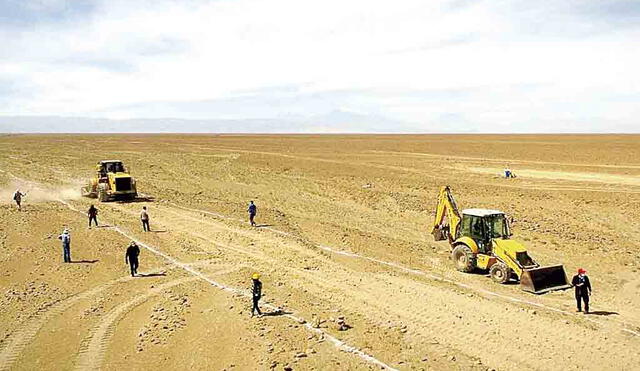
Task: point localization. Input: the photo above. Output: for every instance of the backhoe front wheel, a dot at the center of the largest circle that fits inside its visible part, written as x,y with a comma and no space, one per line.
463,258
500,273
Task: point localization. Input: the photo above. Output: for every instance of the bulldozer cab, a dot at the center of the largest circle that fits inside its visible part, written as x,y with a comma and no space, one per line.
112,166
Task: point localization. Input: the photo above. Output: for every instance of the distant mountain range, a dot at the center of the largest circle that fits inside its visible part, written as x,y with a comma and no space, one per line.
332,122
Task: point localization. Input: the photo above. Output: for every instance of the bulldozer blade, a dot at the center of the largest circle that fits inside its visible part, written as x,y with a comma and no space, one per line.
544,279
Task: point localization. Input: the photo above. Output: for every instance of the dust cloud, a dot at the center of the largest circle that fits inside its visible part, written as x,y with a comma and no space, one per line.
36,193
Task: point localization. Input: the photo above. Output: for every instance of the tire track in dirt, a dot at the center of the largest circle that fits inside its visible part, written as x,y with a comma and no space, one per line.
94,347
24,335
379,261
474,337
417,272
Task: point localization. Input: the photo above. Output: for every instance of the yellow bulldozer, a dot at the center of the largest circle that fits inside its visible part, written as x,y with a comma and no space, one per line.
111,182
481,239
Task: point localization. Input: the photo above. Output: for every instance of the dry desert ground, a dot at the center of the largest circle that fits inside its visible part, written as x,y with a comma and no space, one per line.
343,231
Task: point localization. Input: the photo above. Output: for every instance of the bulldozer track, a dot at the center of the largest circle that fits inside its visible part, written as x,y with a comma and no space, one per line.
95,345
23,336
93,349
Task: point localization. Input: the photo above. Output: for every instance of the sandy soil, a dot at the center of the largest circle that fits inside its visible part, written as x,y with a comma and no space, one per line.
343,232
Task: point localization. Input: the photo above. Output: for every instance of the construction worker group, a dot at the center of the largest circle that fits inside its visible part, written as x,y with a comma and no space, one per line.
580,281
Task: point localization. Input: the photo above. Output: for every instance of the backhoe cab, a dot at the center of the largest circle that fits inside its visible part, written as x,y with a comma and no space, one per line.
111,182
481,239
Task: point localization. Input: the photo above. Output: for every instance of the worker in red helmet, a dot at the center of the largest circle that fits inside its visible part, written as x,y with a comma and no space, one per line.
583,289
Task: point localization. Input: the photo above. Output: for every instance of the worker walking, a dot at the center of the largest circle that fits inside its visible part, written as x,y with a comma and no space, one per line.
144,217
131,257
256,294
252,213
92,213
65,237
583,289
17,197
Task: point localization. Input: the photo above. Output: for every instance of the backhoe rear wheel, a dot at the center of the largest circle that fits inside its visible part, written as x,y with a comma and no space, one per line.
463,258
500,273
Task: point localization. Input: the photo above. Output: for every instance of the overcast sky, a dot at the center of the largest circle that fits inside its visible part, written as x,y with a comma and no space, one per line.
477,66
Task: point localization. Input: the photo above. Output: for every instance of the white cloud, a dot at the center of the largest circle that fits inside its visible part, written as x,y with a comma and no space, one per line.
507,64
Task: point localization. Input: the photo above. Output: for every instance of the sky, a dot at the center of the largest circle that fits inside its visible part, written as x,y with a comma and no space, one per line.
324,66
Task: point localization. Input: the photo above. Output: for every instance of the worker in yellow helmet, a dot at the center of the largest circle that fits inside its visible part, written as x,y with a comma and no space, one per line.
256,293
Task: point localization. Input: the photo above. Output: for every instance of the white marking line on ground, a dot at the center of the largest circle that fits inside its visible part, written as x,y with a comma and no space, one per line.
336,342
409,270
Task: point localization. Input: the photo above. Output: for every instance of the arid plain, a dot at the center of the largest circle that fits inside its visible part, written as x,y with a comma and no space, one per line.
344,224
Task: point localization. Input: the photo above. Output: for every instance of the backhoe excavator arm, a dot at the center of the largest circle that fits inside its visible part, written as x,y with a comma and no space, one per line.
447,221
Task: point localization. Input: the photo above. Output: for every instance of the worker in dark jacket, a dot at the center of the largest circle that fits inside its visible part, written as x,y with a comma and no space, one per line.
17,197
92,213
583,289
131,257
256,293
253,210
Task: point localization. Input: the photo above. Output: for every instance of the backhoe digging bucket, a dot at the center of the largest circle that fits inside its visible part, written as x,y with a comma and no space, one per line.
544,279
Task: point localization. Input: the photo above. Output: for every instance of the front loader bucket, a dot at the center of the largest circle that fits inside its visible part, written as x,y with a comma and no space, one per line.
544,279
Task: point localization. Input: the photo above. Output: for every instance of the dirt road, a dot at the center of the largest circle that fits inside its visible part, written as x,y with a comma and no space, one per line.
343,232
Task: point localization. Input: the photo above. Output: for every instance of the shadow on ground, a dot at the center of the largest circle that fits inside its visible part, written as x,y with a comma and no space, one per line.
603,313
161,274
275,313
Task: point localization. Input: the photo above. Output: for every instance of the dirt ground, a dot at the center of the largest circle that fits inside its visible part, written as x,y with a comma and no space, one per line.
343,231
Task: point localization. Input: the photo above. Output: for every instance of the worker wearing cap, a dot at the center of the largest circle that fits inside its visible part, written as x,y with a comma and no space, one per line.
583,289
65,237
256,293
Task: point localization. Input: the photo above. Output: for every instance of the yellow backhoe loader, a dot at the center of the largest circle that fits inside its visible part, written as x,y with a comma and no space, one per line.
111,182
481,239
